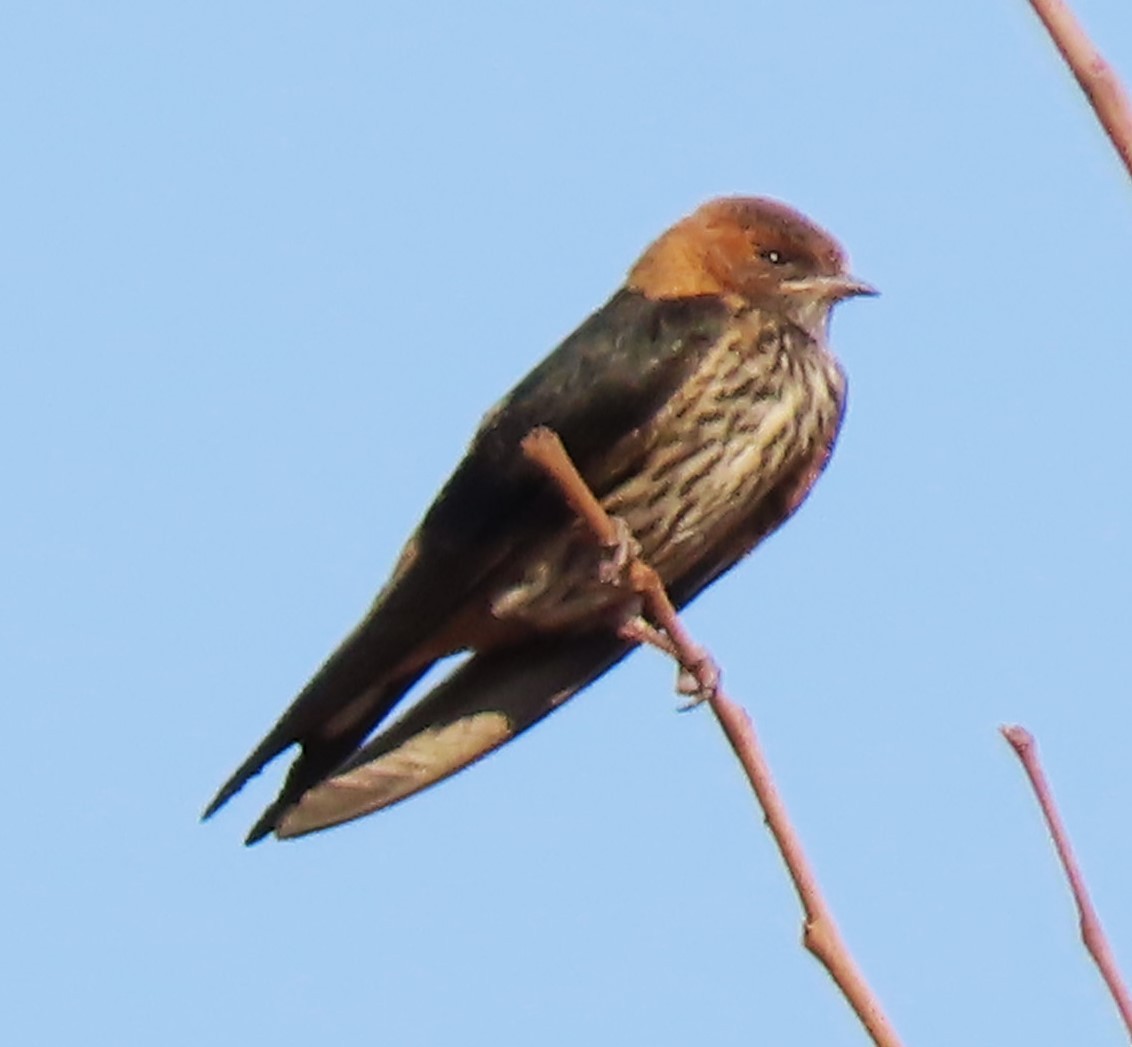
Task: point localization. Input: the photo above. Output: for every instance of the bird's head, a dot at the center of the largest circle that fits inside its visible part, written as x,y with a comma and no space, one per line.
758,250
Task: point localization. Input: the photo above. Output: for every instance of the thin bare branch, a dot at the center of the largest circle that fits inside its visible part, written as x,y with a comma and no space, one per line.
1092,933
820,933
1101,85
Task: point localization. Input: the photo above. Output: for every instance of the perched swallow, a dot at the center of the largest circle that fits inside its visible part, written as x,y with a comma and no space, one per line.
700,404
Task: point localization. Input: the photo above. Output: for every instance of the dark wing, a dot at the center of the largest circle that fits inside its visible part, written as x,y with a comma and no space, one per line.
485,702
603,382
495,696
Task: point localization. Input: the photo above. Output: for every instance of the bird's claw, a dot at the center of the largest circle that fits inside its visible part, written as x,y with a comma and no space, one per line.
698,680
618,554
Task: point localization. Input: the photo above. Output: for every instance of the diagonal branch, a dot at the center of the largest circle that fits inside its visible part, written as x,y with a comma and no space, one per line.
1101,85
1092,933
820,933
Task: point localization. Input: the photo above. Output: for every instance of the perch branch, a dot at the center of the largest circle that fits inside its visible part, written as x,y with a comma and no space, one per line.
820,933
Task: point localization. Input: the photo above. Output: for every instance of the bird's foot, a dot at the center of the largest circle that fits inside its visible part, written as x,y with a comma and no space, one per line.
698,679
618,554
635,628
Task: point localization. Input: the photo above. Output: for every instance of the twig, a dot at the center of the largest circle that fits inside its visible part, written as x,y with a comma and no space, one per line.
1092,933
820,933
1110,102
1101,85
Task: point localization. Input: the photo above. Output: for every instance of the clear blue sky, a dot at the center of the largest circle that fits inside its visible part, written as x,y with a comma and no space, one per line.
262,268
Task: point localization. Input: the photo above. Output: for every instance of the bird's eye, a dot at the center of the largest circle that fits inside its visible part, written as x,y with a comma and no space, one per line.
774,257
